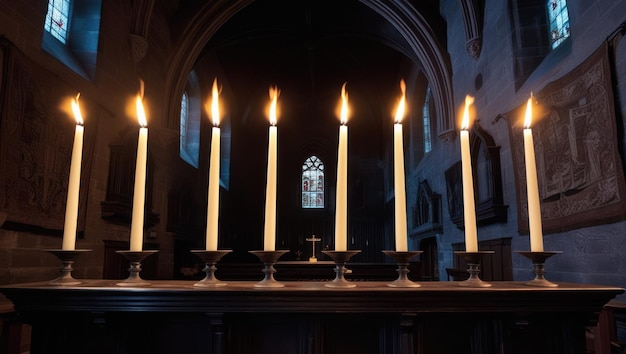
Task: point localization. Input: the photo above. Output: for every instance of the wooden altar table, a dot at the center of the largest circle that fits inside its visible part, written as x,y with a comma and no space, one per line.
98,316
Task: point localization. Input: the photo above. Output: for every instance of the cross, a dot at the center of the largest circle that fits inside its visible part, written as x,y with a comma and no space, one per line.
313,240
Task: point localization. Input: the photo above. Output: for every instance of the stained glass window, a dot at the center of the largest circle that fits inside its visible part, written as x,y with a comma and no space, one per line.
313,183
57,19
559,21
184,115
426,122
189,132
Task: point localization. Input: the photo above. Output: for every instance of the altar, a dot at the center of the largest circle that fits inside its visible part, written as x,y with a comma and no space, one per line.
98,316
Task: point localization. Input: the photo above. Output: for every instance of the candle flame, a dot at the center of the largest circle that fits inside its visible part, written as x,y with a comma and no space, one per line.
529,112
274,98
468,101
402,103
141,113
76,109
215,104
344,104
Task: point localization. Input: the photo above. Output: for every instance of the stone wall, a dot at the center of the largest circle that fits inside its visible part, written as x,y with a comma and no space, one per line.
108,100
593,254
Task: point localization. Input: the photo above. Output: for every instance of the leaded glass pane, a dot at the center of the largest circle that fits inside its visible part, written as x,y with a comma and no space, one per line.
184,115
559,21
426,122
313,183
57,19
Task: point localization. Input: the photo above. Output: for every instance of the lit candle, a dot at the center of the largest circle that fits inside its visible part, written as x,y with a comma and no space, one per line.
71,207
341,207
139,197
398,176
469,213
532,188
270,191
214,174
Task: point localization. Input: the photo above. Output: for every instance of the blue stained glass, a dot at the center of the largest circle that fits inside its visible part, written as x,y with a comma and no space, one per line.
426,122
184,114
57,19
559,21
189,149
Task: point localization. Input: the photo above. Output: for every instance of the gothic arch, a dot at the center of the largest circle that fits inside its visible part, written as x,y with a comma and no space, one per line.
401,15
209,18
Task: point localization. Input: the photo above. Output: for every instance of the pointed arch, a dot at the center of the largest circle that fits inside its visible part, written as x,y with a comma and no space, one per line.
425,49
313,183
412,26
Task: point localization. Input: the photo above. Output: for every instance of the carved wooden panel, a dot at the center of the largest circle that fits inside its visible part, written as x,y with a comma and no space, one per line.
487,176
120,187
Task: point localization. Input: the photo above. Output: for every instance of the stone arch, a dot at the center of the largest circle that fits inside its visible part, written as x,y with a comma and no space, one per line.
401,15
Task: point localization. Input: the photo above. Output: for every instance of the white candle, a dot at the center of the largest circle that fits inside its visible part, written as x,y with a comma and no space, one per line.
270,190
398,177
532,187
139,197
214,175
71,207
341,207
469,213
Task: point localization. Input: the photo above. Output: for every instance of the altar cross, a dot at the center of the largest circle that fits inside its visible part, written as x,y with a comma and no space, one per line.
313,240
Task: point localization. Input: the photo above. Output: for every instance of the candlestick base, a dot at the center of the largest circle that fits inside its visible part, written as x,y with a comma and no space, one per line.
340,258
402,260
210,259
269,258
473,268
539,259
135,258
67,258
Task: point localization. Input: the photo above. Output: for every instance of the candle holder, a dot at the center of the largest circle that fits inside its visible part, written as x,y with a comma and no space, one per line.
473,268
402,260
269,258
340,258
539,259
210,258
67,258
135,258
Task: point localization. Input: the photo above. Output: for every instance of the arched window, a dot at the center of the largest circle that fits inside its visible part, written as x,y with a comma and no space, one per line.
71,33
57,19
184,113
184,130
426,122
558,17
540,27
190,122
312,183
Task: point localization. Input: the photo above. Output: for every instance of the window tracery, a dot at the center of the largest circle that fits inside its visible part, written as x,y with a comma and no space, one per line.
57,19
312,183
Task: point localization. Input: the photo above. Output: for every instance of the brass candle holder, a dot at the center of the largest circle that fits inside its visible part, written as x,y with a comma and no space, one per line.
402,260
134,259
269,258
210,259
473,268
67,258
340,258
539,259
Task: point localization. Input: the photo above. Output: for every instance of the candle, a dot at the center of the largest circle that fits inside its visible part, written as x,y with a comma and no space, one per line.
71,207
532,188
214,174
398,177
139,197
341,207
469,213
270,191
